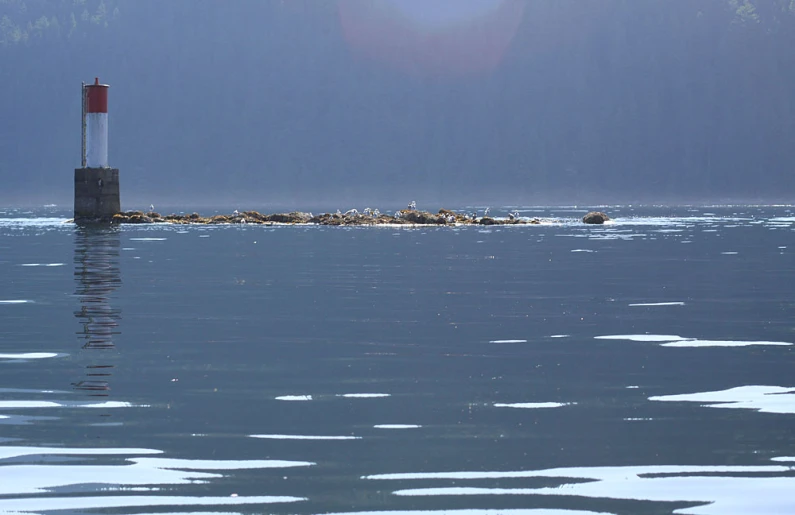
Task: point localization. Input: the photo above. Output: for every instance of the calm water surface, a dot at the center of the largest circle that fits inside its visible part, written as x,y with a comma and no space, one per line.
641,367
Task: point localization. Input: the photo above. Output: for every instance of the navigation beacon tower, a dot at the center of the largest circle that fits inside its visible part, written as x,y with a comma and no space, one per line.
96,183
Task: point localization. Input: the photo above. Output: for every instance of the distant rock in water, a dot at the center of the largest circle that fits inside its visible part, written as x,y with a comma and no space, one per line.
595,217
294,217
422,217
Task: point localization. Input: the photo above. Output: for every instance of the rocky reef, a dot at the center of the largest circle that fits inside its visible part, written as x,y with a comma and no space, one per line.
350,218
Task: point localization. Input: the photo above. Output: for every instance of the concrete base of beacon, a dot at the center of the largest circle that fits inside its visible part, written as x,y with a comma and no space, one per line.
96,194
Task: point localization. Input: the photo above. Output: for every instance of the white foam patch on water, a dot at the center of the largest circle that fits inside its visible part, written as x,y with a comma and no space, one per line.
514,511
463,490
508,341
148,239
305,437
636,419
678,221
397,426
612,236
632,387
23,420
670,340
729,253
650,304
38,478
583,250
33,222
181,464
18,506
7,452
782,219
533,405
29,355
721,343
560,336
139,473
724,490
364,395
642,337
42,264
196,513
784,458
581,472
765,399
16,301
294,398
67,404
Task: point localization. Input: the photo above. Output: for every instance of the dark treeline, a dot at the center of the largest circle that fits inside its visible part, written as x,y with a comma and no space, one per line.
263,101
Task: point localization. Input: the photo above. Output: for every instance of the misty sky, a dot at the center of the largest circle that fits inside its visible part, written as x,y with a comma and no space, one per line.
442,101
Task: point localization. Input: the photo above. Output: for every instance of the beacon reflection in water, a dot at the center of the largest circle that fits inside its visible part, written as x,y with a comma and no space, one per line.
97,277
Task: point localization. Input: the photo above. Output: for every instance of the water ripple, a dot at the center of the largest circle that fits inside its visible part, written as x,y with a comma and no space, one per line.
723,490
305,437
534,405
765,399
134,474
68,404
30,355
28,505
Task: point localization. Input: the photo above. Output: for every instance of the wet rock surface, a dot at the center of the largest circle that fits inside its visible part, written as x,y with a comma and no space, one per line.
595,217
350,218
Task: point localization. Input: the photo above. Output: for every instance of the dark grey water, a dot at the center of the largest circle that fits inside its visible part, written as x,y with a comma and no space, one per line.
641,367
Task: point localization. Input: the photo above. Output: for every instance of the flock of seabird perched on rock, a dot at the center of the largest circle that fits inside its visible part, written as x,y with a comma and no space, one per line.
352,217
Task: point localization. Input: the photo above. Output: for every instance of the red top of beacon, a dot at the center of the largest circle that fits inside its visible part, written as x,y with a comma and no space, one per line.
97,97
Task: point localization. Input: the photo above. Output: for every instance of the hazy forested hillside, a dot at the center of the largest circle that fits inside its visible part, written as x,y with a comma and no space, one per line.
26,22
269,101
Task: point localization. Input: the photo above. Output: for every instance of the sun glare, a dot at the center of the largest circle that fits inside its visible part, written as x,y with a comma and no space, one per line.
439,37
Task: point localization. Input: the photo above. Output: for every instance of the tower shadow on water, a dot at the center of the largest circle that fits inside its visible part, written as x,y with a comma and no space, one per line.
97,277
